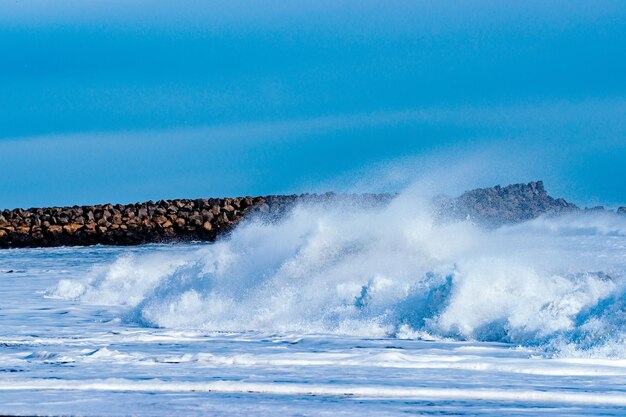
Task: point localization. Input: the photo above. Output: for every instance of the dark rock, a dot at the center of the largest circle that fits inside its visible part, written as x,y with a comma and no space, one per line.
621,210
501,205
72,228
195,219
55,230
222,219
207,215
207,219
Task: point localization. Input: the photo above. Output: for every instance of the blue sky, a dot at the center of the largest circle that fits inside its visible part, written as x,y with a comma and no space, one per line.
132,100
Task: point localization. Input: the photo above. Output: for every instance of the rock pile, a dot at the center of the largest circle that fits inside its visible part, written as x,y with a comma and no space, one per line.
119,224
207,219
149,222
502,205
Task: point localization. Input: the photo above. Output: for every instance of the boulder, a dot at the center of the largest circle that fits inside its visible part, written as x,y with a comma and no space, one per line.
195,219
23,230
72,228
502,205
222,219
90,229
207,215
36,233
160,220
55,230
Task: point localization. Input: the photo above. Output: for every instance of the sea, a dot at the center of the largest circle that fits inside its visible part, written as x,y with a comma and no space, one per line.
329,311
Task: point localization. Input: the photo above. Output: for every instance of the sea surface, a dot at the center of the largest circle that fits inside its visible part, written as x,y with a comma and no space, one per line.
324,313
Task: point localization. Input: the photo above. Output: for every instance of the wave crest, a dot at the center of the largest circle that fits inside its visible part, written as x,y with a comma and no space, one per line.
391,271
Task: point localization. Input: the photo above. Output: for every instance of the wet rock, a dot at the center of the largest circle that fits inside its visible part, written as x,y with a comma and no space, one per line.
72,228
207,219
23,230
502,205
222,219
207,215
55,230
195,219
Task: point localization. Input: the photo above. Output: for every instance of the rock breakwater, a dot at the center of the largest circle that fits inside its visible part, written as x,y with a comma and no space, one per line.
501,205
148,222
207,219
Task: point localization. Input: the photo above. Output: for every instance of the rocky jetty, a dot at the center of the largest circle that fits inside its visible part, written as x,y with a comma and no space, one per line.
149,222
207,219
503,205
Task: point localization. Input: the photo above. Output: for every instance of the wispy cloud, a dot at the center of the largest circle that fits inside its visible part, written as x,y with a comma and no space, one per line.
470,146
547,117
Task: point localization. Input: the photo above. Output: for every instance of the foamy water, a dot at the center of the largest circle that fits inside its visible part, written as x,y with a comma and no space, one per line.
334,310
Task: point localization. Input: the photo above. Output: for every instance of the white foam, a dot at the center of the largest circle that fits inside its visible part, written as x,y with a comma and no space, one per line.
401,360
370,391
390,271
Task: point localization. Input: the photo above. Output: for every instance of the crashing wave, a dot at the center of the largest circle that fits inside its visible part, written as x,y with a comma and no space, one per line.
554,282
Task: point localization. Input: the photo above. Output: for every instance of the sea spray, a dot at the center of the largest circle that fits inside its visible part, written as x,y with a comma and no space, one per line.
555,282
